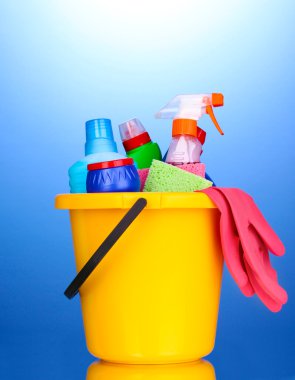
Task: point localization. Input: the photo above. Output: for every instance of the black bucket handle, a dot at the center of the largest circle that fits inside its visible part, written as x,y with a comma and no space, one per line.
104,248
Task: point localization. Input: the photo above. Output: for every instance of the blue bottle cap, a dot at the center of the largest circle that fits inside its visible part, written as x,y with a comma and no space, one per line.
99,136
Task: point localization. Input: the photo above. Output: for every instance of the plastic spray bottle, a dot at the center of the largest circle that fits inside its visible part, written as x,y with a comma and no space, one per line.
100,146
187,137
138,144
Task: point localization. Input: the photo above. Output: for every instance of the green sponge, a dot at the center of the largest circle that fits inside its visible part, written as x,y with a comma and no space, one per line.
165,177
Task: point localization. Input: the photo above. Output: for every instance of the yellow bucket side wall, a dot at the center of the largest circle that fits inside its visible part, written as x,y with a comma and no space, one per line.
157,291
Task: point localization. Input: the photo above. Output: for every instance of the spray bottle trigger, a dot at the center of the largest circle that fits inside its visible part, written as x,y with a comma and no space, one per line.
210,112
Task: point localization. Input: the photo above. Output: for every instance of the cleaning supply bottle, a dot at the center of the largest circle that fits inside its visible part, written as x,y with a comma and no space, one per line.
112,176
138,144
100,146
187,137
201,136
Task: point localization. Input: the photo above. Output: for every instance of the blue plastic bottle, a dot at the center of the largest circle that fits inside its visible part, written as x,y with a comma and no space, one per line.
100,146
113,176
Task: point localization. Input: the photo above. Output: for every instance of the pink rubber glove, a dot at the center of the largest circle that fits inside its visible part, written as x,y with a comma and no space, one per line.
235,257
272,305
250,223
230,243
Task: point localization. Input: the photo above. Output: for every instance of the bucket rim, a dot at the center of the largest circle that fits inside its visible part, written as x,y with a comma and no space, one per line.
165,200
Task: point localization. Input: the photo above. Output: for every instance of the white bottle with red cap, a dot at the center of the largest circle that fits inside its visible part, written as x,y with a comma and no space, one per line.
138,144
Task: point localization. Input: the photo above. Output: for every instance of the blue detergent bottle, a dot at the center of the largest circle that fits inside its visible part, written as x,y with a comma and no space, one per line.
100,146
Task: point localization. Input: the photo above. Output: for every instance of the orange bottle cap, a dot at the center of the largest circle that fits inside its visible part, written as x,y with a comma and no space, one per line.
217,100
184,127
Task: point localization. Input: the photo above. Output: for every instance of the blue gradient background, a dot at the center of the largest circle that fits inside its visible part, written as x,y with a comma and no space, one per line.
64,62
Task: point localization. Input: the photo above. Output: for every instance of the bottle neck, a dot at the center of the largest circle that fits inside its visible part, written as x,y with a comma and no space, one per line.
100,146
99,137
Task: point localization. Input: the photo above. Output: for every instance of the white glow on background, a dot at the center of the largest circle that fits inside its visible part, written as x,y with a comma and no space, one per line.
149,25
124,59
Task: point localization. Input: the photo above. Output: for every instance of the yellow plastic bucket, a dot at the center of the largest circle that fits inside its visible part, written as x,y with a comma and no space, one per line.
154,298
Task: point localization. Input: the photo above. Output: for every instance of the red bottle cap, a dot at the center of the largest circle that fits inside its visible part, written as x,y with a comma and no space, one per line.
136,141
201,135
110,164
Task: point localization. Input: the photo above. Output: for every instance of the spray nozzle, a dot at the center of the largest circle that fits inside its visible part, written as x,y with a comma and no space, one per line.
192,107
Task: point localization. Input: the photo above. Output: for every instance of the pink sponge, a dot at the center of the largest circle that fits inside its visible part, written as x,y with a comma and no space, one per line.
143,173
198,169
